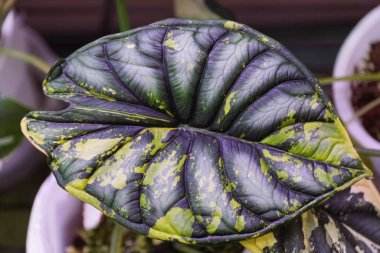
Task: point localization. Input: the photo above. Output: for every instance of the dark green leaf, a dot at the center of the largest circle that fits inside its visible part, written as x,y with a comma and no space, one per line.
11,112
195,131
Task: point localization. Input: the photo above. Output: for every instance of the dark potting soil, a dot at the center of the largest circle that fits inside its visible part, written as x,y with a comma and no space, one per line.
365,92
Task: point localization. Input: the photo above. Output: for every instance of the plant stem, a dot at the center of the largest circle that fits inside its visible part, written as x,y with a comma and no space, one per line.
117,239
31,59
122,15
364,110
357,77
367,151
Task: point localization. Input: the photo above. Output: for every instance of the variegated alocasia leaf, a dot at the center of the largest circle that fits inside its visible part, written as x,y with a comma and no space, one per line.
348,222
196,131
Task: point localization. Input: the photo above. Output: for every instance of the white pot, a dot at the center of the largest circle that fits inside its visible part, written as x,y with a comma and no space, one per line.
56,217
351,53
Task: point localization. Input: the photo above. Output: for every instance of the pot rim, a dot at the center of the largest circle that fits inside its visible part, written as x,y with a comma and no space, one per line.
351,52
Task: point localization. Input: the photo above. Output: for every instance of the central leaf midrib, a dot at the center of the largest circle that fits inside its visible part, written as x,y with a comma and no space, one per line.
121,113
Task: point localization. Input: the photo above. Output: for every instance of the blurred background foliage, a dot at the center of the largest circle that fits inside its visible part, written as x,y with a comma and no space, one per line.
312,29
11,113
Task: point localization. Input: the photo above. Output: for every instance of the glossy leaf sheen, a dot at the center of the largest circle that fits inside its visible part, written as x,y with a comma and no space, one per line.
196,131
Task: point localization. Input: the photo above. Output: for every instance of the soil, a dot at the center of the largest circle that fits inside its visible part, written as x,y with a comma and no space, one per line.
365,92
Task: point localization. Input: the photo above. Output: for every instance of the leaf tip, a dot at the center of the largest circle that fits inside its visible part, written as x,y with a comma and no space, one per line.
36,139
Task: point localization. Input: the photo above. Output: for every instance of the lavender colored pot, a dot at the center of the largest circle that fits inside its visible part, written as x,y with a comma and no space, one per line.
351,53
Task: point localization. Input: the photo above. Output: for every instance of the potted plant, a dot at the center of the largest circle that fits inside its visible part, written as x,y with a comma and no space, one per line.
178,161
351,61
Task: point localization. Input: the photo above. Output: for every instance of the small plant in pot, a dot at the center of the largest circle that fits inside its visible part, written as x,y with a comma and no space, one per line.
357,97
206,133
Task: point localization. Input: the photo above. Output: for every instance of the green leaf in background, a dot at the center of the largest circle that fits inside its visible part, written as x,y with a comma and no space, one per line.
11,112
348,222
202,132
